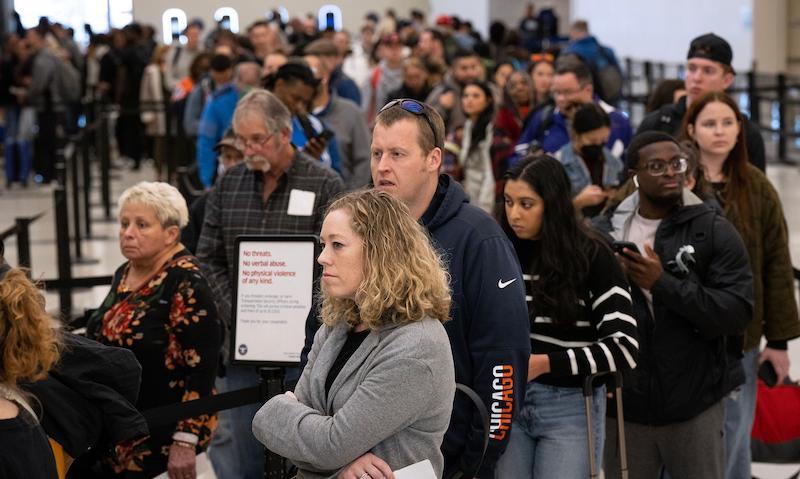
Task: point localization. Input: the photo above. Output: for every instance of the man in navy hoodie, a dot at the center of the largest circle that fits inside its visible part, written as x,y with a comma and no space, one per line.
489,331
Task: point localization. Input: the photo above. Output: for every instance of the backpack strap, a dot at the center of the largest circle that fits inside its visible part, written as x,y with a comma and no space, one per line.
546,121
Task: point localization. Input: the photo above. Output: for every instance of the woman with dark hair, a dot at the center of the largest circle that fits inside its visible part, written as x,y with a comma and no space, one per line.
475,157
512,117
580,317
542,71
518,103
501,73
667,92
751,203
592,169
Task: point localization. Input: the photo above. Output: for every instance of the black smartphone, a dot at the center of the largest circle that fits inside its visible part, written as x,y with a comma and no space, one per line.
619,246
325,136
766,372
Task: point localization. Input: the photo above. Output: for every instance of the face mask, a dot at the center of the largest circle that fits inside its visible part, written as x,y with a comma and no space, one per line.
591,152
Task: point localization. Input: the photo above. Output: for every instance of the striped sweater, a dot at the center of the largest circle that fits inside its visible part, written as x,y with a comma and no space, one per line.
604,338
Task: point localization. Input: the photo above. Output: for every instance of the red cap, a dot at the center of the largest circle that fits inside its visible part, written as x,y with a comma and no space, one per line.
444,20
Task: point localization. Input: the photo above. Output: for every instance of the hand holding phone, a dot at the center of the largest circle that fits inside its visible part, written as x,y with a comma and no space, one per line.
325,136
766,372
620,246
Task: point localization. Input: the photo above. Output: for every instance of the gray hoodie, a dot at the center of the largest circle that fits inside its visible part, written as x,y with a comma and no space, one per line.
393,398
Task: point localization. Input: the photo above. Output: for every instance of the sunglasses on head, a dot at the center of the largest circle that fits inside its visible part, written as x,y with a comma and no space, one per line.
542,57
414,107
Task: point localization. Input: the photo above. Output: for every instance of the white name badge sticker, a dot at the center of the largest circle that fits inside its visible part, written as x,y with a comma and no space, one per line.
301,203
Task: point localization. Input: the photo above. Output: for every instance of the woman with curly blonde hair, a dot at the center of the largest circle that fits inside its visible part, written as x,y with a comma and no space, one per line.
29,348
377,392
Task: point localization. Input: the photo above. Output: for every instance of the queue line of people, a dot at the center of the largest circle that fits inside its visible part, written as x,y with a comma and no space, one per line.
634,314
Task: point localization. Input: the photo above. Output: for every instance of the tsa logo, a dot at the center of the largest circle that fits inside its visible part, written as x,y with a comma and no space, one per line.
243,349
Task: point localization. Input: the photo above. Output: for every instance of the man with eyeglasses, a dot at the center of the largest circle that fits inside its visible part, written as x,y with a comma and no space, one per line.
548,129
278,190
692,291
489,330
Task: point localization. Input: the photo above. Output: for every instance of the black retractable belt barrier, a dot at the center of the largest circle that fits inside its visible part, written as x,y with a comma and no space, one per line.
271,385
22,231
171,413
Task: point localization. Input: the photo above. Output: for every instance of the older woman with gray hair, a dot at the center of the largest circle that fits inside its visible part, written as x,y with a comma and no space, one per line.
161,307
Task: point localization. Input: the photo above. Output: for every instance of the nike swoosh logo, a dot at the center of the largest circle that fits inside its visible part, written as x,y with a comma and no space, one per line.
502,285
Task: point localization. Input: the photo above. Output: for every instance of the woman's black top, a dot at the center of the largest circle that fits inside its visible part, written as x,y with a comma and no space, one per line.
351,344
24,449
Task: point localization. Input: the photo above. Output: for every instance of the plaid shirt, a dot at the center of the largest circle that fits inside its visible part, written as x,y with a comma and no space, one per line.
236,207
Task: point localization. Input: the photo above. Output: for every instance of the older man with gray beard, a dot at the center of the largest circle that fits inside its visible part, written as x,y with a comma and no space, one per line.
255,198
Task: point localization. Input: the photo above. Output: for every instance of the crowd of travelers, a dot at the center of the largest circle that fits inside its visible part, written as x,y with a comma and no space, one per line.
487,216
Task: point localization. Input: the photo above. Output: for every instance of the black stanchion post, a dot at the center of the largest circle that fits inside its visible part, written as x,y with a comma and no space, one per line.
105,166
753,100
662,71
274,465
76,199
648,76
61,210
86,165
23,243
782,117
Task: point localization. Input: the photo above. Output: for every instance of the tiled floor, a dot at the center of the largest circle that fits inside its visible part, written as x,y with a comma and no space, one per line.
104,251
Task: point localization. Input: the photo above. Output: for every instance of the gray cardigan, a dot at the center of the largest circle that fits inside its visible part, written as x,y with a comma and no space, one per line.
393,398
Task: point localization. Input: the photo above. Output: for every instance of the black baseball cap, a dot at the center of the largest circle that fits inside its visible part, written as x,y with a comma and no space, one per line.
711,47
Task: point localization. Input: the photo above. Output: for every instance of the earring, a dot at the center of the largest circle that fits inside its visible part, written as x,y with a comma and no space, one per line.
636,181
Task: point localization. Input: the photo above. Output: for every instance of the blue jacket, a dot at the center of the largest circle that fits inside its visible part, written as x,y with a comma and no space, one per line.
556,133
344,86
589,49
217,117
489,331
330,157
579,174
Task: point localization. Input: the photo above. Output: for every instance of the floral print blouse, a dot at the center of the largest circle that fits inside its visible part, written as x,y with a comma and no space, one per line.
170,323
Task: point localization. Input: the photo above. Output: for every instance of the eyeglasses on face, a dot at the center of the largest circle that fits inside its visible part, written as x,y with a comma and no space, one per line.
256,141
415,107
656,167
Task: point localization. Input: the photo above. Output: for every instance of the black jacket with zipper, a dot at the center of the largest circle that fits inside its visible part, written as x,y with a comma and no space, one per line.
691,342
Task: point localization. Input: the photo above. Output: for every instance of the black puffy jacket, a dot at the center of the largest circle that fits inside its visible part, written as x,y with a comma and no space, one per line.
690,343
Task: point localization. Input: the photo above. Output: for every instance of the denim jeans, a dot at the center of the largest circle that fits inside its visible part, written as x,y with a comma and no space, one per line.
549,437
740,410
235,453
24,148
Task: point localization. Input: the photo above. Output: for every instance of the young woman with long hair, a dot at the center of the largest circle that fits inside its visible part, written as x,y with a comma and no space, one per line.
475,157
580,318
715,124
